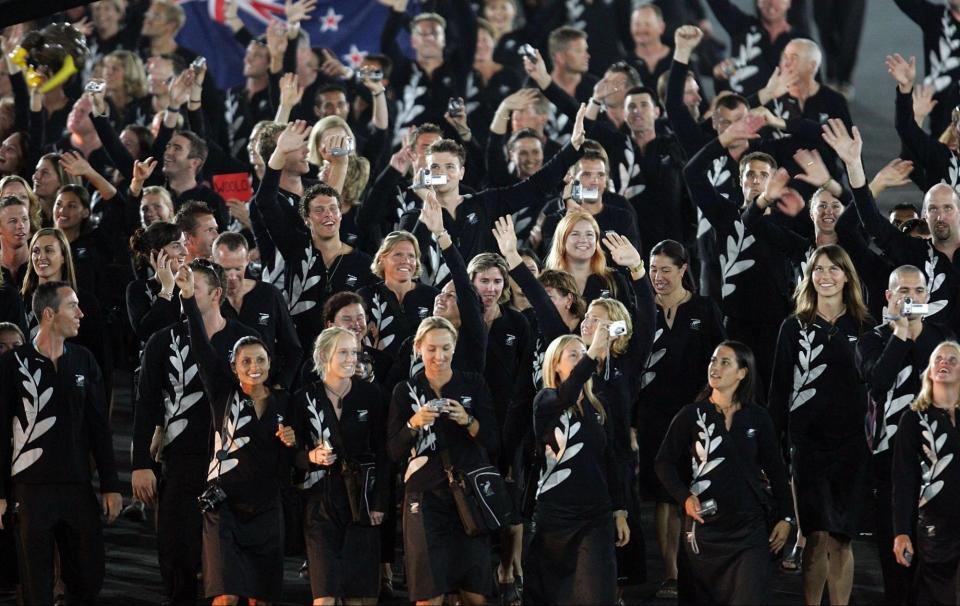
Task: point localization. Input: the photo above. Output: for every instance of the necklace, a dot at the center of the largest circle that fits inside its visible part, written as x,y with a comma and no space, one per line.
833,320
330,272
670,308
339,396
724,409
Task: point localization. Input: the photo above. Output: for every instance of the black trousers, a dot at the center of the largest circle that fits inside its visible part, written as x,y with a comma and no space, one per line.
897,579
180,527
840,23
64,517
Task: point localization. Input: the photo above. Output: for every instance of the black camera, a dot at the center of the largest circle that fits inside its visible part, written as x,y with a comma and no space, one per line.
212,498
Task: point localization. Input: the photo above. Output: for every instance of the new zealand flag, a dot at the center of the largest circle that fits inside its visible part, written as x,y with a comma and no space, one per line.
351,28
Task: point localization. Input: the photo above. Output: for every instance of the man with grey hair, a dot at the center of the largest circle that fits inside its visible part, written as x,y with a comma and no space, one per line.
892,358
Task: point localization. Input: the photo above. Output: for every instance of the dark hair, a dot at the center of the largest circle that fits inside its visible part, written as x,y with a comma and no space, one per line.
267,142
47,295
144,137
906,206
560,38
523,133
593,153
679,257
317,189
448,146
731,101
622,67
178,63
759,157
188,215
198,147
427,128
13,201
212,272
386,63
149,240
526,251
746,390
231,240
338,301
247,341
79,191
643,90
915,225
331,87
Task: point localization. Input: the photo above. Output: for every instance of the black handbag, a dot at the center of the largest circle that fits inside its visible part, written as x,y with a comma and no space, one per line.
360,480
359,475
481,496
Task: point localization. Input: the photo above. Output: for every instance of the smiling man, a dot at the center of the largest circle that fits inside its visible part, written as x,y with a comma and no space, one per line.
14,238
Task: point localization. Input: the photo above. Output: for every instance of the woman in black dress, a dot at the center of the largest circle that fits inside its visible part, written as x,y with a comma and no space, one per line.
689,326
717,451
340,423
440,557
243,517
925,466
818,399
399,301
579,515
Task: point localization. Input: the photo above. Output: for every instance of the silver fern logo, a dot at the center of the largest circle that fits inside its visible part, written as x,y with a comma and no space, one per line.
942,59
426,439
177,400
553,474
319,434
225,442
893,406
703,448
934,464
655,356
805,372
32,427
302,282
382,319
730,265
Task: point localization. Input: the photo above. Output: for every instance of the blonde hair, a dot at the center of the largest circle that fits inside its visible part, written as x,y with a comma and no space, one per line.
925,398
134,75
316,137
358,174
33,204
617,312
551,379
67,273
432,323
388,244
557,259
485,261
161,191
806,294
324,346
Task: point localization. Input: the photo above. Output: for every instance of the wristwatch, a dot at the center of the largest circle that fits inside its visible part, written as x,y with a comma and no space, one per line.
470,420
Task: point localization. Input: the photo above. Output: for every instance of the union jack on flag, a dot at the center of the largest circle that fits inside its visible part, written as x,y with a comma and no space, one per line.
351,28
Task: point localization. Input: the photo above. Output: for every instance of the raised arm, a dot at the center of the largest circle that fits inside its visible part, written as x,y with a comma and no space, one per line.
218,380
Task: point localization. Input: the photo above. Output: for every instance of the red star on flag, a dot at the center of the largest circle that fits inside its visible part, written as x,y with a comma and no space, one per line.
330,21
355,57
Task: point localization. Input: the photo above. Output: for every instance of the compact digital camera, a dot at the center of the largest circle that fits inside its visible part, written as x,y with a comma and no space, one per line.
579,193
348,147
212,498
527,51
455,107
617,329
369,73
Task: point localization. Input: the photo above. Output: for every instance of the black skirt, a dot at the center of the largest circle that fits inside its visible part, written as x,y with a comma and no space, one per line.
243,551
573,564
632,557
733,563
343,557
440,558
831,488
938,561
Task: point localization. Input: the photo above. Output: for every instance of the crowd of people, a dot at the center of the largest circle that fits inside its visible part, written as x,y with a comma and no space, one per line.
480,303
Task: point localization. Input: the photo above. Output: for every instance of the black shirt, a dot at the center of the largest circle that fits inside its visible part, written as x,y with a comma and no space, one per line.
53,419
395,321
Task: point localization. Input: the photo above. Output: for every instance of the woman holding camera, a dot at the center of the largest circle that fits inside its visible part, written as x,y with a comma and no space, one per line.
925,465
712,462
346,484
242,514
441,419
579,515
819,400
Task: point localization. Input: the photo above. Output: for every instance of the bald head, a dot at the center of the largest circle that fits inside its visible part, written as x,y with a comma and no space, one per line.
906,274
940,205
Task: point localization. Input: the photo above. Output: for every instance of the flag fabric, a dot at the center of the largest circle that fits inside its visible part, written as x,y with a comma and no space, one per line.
351,28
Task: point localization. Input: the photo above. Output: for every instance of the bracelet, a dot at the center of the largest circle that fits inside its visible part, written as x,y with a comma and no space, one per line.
200,100
412,428
381,93
826,183
442,234
638,268
165,295
174,110
593,101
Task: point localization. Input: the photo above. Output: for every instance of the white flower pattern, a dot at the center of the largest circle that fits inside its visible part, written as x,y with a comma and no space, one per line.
31,428
703,448
552,474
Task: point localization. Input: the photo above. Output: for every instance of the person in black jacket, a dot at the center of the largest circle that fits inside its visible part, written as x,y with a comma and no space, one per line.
150,306
171,426
53,420
580,514
717,452
926,481
260,306
892,358
252,451
441,418
341,427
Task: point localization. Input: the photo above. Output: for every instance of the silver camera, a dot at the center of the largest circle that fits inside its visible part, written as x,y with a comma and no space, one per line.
909,308
707,508
199,63
348,147
427,179
436,405
528,51
617,329
95,86
455,107
369,73
580,194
